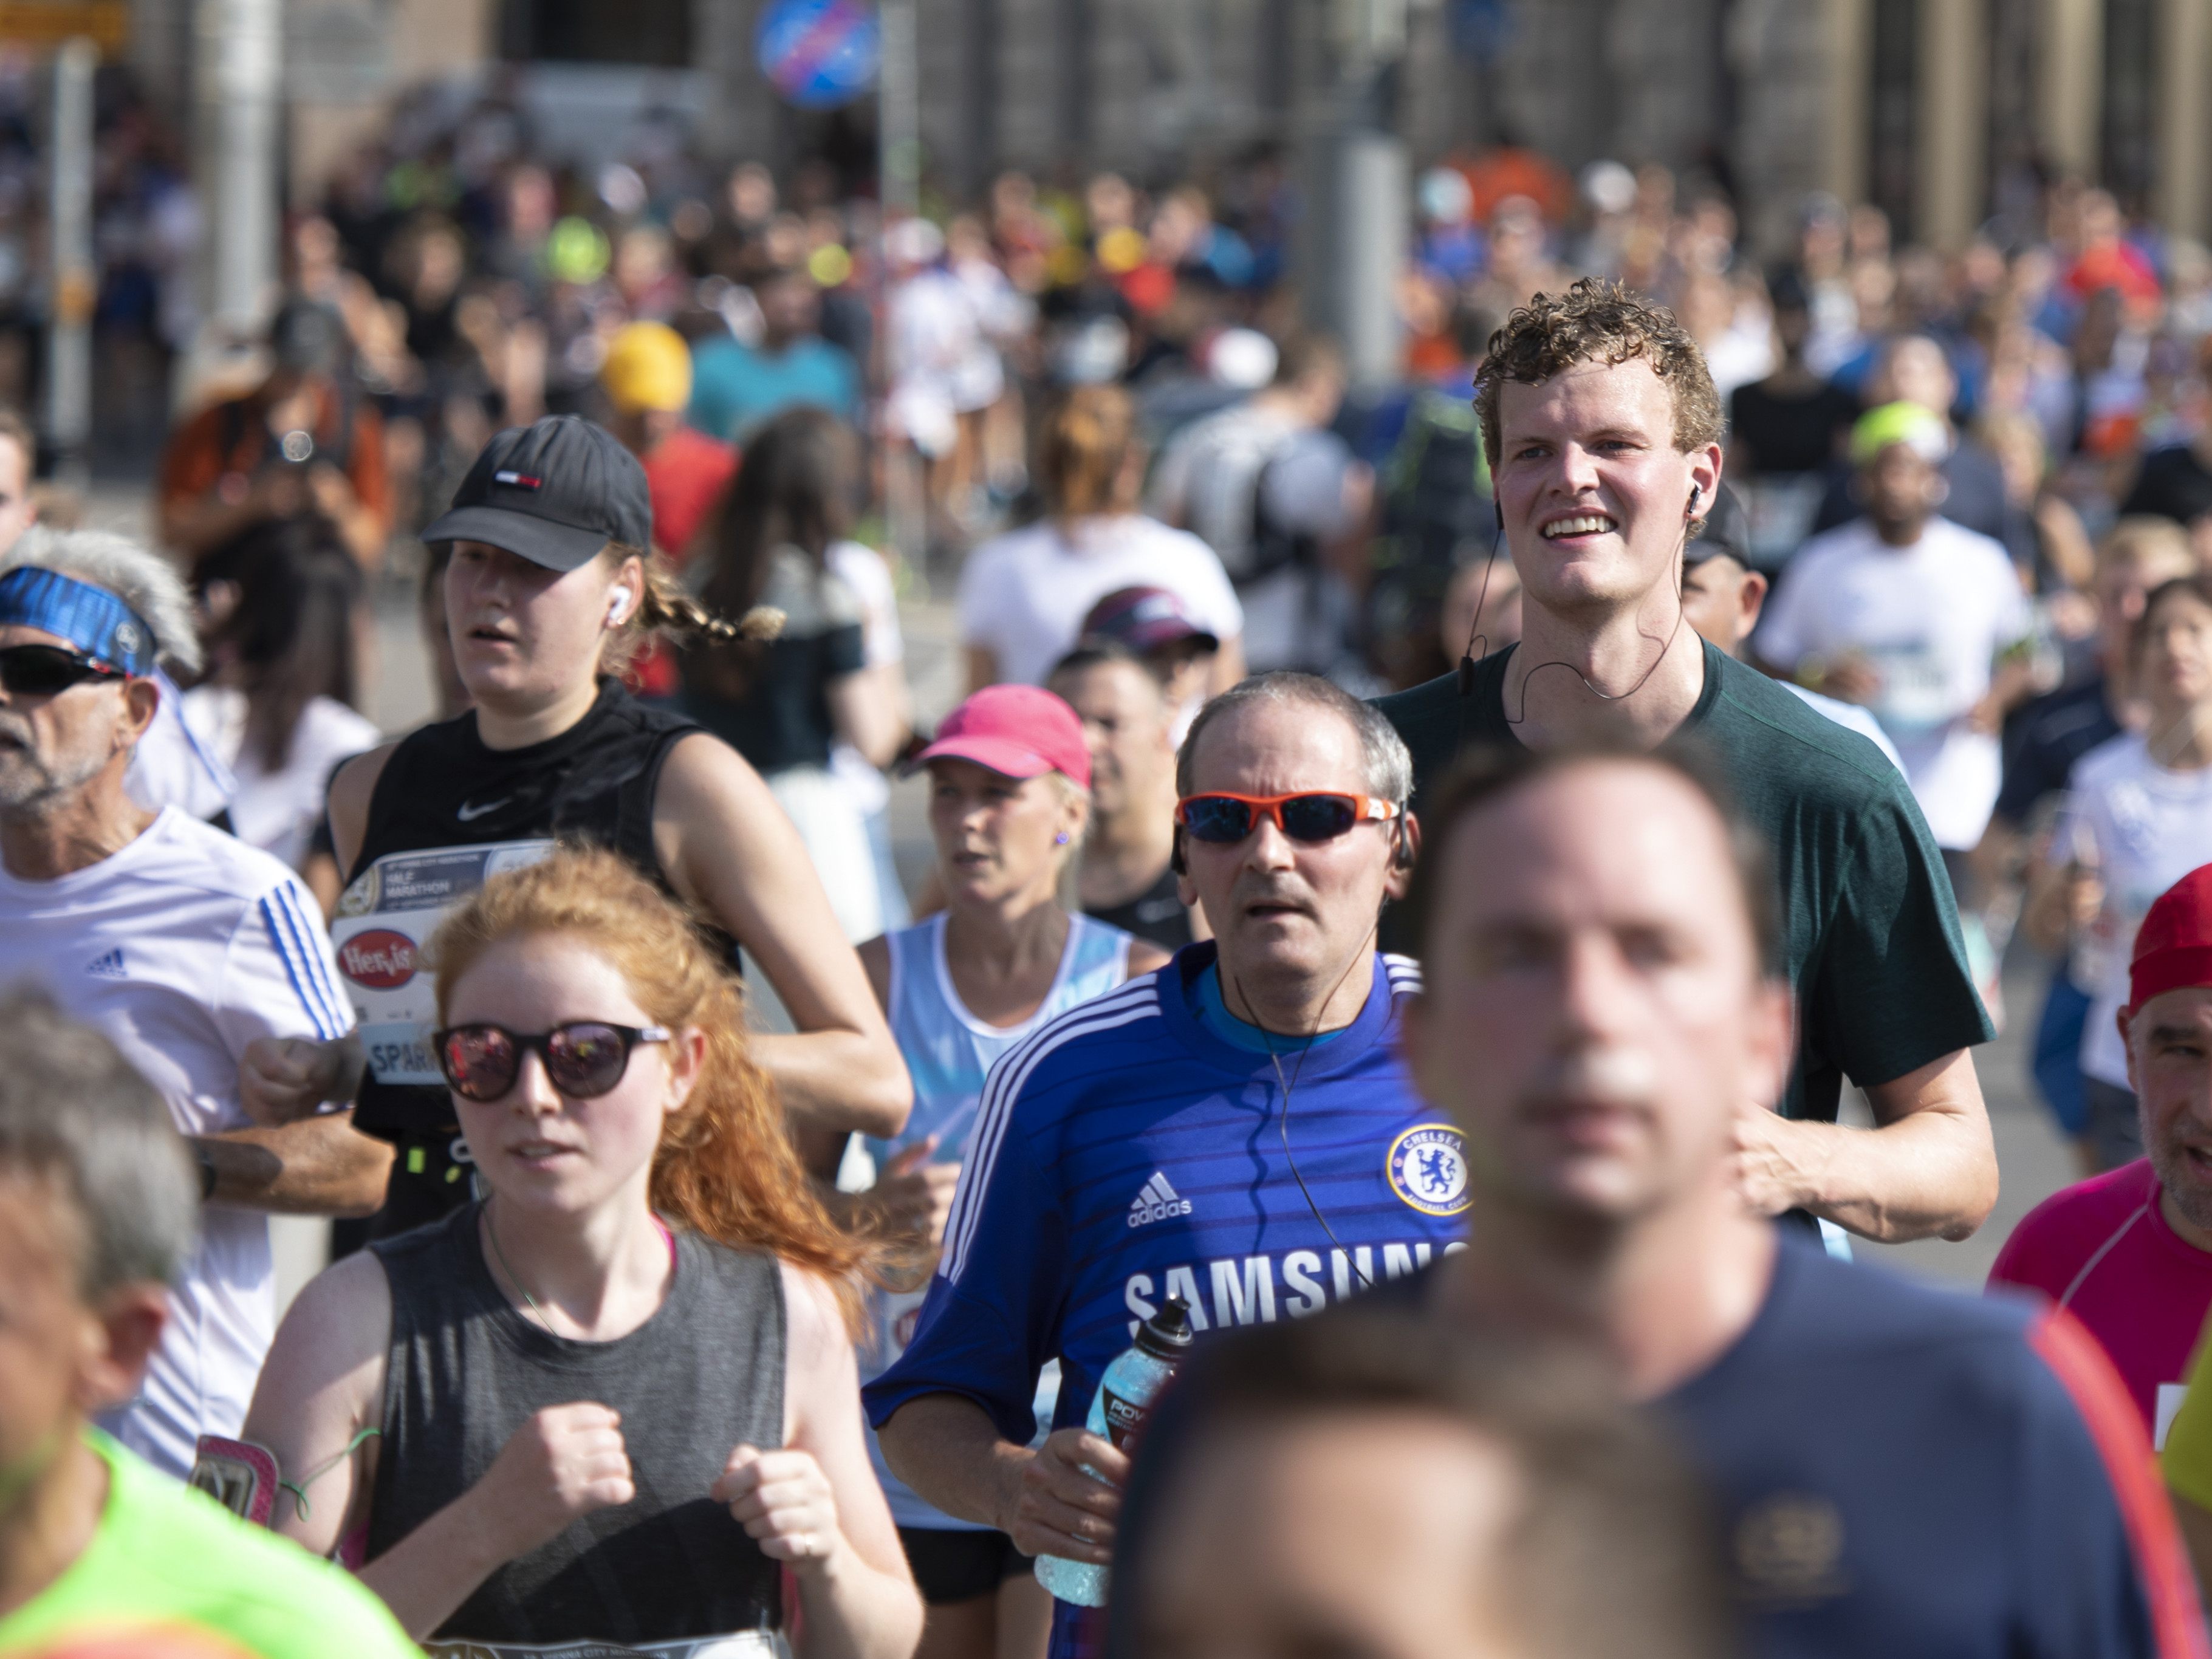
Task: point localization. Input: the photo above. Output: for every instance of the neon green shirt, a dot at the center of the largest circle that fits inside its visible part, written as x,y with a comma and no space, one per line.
2186,1460
166,1554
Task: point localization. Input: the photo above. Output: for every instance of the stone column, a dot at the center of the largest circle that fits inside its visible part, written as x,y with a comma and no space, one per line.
2185,79
2071,90
1851,48
1953,121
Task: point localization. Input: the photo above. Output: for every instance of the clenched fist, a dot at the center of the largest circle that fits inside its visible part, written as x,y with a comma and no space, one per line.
783,1501
564,1463
283,1079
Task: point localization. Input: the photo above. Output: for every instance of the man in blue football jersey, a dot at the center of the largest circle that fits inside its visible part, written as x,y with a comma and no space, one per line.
1900,1470
1237,1129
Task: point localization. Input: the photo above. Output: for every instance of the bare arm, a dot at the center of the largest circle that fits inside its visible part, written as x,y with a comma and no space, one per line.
863,712
829,1521
321,1386
728,848
317,1166
1145,957
1228,665
1929,1166
947,1448
348,806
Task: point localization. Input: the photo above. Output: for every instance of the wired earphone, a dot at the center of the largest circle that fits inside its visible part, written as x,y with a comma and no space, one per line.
1467,661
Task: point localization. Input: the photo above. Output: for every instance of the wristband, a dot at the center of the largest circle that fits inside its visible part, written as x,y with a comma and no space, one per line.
207,1170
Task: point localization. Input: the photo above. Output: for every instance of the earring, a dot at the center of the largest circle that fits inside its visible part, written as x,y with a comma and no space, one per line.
1061,840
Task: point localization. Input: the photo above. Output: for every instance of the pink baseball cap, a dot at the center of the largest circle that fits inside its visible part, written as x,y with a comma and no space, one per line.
1016,731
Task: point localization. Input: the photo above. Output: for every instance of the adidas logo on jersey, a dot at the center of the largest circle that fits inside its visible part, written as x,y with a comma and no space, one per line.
1156,1201
109,966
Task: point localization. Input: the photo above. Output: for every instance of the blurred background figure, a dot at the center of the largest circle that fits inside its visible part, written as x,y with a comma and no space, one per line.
1407,1491
1023,597
1277,495
786,703
279,702
1152,624
1126,876
302,440
738,385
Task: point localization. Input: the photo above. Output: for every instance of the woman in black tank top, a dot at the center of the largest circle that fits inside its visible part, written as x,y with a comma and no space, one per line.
615,1401
547,589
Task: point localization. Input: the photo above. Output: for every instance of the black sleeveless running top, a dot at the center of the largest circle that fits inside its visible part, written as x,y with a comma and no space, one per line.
1157,913
447,812
700,1377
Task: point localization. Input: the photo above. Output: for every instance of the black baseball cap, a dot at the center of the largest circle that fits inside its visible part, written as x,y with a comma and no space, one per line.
1728,530
554,493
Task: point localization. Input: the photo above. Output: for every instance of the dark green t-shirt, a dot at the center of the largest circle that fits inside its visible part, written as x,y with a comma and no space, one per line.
1870,928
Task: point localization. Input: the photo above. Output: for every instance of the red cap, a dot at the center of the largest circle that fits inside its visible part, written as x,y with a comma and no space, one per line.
2173,947
1016,731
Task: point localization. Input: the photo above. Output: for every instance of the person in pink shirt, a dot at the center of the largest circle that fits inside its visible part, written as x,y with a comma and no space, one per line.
2130,1252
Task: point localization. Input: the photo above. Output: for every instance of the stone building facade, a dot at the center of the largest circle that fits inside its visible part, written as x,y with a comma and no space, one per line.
1921,105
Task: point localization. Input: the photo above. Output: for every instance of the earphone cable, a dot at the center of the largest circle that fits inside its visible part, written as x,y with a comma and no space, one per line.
1467,660
1285,1085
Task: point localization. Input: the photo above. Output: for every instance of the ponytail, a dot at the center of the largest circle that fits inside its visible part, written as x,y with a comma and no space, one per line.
1082,454
668,610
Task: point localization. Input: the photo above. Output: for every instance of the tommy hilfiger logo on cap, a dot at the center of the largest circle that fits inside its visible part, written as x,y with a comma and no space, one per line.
519,480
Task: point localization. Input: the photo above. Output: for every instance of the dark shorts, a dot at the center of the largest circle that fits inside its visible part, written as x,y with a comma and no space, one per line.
951,1566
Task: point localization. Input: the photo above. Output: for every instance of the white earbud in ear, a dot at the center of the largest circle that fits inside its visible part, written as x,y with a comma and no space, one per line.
618,608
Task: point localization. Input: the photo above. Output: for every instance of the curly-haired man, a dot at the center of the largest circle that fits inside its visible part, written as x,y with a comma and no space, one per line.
1603,434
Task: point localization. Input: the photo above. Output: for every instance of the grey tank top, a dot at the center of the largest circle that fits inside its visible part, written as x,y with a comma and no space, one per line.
703,1375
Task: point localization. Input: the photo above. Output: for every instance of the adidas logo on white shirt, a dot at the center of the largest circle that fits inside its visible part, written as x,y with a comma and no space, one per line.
1156,1201
109,966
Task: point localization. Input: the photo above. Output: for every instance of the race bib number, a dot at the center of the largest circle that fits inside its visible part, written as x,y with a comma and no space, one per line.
384,923
1916,695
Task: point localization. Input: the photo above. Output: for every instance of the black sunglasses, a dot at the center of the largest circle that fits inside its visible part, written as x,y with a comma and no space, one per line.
585,1058
41,670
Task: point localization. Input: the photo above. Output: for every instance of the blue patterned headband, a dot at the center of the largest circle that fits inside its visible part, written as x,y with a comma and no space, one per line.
91,618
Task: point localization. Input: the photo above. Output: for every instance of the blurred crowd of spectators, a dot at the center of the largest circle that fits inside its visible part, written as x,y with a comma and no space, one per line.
1105,405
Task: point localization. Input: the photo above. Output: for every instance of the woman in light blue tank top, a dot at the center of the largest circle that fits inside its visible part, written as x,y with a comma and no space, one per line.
1009,781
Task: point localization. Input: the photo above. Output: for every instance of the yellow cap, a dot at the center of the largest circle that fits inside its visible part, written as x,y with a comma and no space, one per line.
647,367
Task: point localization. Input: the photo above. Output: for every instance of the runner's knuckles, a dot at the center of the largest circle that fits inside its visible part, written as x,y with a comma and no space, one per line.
445,813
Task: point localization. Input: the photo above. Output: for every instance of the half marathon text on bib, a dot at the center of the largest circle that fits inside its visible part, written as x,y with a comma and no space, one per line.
384,922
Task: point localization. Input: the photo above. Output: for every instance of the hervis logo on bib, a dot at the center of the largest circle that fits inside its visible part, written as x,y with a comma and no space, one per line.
1427,1167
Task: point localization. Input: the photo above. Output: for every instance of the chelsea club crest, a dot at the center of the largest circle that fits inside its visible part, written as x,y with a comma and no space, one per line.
1427,1167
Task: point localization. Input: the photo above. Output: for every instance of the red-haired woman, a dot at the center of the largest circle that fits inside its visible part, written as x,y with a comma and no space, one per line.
614,1399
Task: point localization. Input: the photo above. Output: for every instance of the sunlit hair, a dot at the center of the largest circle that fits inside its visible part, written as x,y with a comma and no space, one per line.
1082,452
1596,321
725,1167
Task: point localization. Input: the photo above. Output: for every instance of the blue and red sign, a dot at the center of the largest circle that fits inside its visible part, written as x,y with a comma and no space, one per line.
818,53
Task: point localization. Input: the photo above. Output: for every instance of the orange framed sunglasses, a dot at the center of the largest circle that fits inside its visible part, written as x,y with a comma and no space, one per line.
1225,818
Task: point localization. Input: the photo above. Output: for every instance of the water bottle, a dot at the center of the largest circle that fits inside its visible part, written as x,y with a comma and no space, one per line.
1118,1411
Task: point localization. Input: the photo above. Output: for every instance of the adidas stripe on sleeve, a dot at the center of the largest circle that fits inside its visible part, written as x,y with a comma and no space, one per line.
281,978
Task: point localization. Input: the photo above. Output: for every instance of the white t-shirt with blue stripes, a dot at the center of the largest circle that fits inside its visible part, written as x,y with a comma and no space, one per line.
183,948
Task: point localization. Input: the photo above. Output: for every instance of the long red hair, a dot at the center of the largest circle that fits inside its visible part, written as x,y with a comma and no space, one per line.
725,1168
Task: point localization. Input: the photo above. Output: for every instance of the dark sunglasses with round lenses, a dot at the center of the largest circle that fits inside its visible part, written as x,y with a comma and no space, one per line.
42,671
1225,818
584,1058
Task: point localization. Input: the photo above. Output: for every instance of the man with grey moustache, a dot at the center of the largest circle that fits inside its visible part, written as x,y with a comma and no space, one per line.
202,959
